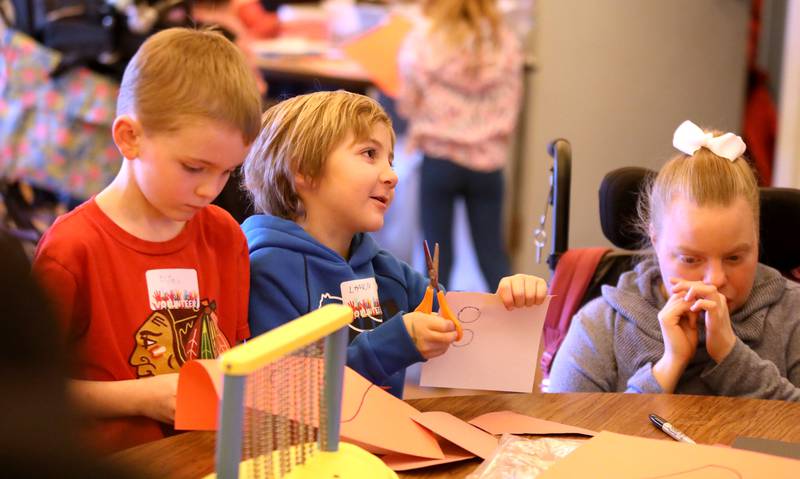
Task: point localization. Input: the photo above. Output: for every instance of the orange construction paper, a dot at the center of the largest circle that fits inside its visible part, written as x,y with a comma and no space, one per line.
619,456
371,417
197,399
402,462
458,432
380,423
376,51
503,422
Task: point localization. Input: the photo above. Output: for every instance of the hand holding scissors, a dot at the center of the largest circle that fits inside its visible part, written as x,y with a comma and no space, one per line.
426,306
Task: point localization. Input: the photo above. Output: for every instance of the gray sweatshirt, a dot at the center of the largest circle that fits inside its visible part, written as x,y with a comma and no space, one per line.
614,341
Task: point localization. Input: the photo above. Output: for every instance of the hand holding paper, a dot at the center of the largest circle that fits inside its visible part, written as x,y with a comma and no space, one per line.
498,350
521,290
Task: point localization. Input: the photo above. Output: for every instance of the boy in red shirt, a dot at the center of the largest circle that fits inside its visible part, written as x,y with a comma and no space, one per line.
148,275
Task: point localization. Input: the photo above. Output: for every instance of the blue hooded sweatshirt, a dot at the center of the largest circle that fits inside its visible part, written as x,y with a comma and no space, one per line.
292,274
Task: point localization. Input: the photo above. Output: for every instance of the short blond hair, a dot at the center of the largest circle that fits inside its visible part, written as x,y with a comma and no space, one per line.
703,178
297,137
182,74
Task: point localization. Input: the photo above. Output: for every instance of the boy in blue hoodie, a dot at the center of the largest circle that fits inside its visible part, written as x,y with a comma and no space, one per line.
321,172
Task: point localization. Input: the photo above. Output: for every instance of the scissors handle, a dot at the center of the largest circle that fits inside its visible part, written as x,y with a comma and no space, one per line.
426,305
447,313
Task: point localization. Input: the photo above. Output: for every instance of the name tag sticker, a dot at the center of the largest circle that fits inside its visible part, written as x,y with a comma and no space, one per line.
362,296
173,289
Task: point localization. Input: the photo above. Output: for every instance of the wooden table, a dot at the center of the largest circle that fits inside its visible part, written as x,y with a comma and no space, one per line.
707,419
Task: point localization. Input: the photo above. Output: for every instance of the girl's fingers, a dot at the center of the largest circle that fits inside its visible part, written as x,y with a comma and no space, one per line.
518,291
689,321
691,290
541,290
672,311
704,305
505,293
693,316
530,290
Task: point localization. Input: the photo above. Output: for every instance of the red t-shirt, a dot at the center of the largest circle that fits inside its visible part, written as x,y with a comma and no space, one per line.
132,308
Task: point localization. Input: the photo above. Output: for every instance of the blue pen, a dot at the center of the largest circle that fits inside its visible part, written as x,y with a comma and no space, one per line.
669,429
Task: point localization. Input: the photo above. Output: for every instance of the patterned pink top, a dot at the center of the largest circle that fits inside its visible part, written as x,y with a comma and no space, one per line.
455,110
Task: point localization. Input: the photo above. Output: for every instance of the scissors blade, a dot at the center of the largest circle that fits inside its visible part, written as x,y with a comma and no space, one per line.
429,262
435,275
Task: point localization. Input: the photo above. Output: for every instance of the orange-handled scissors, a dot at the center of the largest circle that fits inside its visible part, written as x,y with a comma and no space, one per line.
426,306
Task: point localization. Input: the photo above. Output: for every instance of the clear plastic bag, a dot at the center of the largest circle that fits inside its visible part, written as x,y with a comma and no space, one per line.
519,457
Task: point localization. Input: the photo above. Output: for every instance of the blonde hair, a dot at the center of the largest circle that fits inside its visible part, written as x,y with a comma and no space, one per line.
702,178
459,21
297,137
180,74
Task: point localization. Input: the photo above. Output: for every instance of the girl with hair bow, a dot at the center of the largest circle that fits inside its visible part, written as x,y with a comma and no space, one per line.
701,315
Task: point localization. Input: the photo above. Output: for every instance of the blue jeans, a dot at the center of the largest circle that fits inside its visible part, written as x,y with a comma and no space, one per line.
441,182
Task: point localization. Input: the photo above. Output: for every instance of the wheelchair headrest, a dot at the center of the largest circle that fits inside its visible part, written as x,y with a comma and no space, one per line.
780,226
619,195
780,216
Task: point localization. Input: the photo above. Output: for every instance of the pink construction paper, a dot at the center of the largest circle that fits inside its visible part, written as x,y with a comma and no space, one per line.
458,432
379,422
628,457
508,422
402,462
499,348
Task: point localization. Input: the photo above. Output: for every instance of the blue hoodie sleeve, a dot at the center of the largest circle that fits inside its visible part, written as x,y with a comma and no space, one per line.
275,280
382,352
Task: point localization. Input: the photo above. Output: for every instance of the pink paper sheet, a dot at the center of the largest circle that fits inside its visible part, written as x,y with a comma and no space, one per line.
459,441
503,422
498,350
379,422
619,456
452,453
458,432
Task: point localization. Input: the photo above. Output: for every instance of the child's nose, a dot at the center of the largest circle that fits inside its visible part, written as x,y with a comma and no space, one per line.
715,274
209,189
389,176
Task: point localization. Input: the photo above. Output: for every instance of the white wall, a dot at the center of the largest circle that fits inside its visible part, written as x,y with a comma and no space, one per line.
615,78
787,150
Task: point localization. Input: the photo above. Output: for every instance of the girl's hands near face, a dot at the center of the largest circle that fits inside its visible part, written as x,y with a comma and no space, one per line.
703,297
679,330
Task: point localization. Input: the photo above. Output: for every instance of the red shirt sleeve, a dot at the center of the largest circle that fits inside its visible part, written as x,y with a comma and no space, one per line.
60,286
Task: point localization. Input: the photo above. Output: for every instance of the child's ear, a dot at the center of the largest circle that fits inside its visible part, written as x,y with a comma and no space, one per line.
127,133
302,182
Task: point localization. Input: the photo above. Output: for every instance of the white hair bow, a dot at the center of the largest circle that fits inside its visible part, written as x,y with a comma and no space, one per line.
689,138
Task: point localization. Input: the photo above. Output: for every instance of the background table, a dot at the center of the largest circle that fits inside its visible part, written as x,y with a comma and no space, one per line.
337,71
706,419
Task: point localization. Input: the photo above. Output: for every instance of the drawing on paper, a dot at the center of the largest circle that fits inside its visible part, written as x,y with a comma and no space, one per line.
467,315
